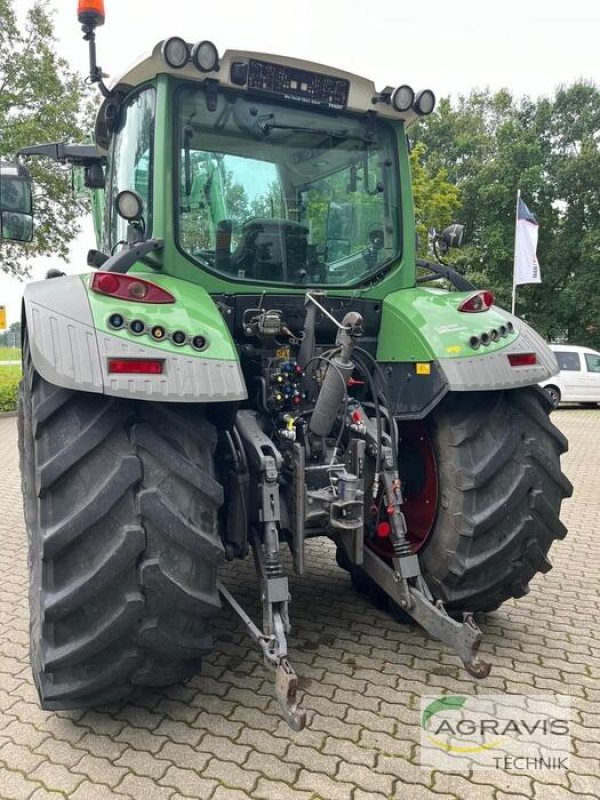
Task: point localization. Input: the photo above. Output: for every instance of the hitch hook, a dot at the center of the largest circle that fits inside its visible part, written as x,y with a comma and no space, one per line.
475,666
286,688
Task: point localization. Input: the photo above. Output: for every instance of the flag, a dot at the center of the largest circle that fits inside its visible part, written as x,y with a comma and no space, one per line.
527,268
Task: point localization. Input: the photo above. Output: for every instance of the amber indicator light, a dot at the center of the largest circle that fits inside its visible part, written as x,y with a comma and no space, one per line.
158,332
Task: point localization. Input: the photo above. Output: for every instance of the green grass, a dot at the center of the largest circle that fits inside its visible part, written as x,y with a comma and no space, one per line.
10,354
9,386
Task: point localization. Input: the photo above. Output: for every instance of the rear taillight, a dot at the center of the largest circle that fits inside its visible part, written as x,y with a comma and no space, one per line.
522,359
135,366
480,301
126,287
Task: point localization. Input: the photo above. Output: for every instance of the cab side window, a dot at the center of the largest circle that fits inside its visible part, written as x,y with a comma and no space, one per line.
132,160
568,362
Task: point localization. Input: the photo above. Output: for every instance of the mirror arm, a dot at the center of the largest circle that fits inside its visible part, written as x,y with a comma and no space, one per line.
96,75
77,154
455,278
122,261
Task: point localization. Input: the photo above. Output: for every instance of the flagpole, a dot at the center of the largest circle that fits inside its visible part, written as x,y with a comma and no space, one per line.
514,286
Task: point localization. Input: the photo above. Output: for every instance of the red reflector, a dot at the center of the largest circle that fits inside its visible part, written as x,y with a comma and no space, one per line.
135,366
126,287
480,301
522,359
384,529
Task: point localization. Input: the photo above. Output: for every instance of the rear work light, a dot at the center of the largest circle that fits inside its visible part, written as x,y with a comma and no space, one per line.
176,52
135,366
522,359
480,301
126,287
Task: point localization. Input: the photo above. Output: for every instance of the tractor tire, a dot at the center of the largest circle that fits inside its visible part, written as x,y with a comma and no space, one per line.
500,488
121,514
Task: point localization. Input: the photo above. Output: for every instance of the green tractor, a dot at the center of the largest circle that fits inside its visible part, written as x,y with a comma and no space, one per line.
252,363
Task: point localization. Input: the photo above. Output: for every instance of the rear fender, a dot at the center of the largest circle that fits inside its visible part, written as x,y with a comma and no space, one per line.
70,349
425,325
425,349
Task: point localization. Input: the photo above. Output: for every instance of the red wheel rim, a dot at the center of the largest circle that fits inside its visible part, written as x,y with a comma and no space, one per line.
418,473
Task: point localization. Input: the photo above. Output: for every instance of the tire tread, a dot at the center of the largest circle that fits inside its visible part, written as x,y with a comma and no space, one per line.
121,515
495,533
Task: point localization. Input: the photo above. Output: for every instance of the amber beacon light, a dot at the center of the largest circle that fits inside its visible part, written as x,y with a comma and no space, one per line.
90,12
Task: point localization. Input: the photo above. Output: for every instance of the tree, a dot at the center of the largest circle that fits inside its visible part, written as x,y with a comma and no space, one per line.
11,337
436,199
493,144
40,101
571,302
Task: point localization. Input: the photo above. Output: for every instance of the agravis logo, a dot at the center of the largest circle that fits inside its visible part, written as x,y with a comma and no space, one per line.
495,731
435,722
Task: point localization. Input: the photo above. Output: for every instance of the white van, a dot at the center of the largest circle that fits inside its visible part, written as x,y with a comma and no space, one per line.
579,378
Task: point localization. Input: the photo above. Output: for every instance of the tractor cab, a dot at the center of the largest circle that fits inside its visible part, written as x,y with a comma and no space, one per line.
256,169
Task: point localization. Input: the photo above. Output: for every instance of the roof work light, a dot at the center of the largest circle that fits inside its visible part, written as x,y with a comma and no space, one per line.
402,98
205,56
176,52
424,102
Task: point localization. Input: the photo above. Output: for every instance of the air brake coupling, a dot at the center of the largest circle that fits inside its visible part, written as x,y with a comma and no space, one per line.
339,372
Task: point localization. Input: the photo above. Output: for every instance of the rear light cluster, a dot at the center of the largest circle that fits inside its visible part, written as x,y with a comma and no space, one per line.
487,337
126,287
157,332
479,301
137,290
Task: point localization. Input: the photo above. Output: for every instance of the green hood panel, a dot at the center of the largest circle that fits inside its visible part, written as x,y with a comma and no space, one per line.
194,312
424,324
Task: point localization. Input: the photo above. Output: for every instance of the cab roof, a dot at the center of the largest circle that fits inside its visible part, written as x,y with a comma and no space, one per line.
361,96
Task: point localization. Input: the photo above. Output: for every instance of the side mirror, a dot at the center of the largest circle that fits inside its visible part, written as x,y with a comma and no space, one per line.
93,177
452,236
16,212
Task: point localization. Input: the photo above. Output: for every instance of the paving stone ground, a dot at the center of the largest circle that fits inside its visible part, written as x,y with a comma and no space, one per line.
221,736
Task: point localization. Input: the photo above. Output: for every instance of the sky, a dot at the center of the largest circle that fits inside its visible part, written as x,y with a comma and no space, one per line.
528,47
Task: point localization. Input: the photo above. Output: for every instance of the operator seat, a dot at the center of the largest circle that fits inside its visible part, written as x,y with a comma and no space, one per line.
272,250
